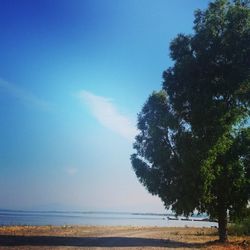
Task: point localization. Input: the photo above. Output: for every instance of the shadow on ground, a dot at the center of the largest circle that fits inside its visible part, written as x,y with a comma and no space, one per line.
10,240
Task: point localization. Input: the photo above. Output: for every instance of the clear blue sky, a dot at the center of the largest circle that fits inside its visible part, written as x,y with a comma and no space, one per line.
73,76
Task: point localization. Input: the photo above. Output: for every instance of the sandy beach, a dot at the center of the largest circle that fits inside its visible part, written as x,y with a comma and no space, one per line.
91,237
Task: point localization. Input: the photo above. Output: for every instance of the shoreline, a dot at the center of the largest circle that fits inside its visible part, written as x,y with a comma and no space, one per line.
117,237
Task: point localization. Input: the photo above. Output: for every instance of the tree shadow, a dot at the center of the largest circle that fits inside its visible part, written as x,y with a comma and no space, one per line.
11,240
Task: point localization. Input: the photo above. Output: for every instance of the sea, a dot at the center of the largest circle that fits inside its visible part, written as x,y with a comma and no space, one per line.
63,218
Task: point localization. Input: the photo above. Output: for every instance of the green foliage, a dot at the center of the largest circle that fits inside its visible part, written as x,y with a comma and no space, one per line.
157,163
241,226
194,143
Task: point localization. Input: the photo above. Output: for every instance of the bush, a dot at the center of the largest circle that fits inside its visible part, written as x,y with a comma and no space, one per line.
240,227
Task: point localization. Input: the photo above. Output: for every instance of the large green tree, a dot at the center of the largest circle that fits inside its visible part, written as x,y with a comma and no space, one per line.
193,149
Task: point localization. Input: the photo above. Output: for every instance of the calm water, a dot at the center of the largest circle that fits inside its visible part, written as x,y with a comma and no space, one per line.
95,218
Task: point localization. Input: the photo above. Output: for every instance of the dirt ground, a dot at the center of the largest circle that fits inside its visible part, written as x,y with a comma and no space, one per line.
89,237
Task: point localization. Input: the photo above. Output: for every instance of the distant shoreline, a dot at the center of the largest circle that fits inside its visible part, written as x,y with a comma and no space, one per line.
85,212
94,212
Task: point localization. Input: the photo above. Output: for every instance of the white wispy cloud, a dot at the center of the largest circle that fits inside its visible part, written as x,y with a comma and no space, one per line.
106,113
23,95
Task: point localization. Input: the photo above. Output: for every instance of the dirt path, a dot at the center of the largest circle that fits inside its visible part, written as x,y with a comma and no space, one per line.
122,238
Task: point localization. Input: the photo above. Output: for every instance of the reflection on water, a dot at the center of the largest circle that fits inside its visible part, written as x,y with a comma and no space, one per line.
8,217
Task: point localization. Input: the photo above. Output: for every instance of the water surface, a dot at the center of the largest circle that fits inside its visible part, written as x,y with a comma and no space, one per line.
9,217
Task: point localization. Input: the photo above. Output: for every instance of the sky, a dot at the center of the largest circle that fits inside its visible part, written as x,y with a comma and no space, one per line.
74,74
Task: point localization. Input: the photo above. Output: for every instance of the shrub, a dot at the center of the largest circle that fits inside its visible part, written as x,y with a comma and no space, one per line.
241,227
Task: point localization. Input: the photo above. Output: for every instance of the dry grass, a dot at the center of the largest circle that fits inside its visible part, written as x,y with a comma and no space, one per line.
106,237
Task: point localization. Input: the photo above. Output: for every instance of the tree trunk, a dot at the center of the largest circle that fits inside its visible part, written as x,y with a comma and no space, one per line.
222,221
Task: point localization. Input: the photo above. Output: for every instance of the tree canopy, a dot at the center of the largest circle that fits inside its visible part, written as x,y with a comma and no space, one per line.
193,149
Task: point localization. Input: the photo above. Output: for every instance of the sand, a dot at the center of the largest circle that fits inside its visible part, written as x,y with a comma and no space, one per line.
108,237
